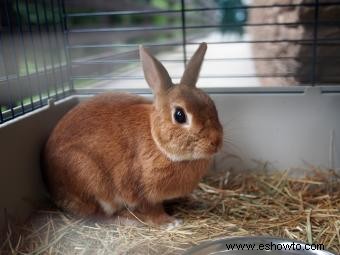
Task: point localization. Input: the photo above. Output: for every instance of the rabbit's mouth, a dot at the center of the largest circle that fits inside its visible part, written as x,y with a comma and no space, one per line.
207,151
212,150
209,144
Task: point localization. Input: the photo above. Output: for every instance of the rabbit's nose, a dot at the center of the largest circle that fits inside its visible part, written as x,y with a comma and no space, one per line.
216,140
216,144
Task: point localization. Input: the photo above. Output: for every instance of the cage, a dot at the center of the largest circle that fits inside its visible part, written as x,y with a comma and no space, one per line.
272,69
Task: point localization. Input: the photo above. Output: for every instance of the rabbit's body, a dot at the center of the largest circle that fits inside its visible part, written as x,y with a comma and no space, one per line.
120,152
91,170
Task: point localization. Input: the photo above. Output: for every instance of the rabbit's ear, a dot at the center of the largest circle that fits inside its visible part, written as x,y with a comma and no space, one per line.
193,68
154,72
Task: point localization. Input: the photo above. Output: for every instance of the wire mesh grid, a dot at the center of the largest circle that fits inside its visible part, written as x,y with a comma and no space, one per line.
56,48
33,56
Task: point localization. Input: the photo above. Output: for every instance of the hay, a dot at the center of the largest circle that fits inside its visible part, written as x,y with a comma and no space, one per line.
224,205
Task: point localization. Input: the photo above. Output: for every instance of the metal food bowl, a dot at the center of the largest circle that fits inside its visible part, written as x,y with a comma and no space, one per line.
258,246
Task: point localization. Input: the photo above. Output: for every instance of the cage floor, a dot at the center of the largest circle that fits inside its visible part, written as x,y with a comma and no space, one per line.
226,204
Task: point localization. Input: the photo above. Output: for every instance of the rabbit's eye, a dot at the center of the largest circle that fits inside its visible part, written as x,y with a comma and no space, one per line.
180,116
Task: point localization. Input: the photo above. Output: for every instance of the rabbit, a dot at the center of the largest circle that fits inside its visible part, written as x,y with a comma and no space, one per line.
120,153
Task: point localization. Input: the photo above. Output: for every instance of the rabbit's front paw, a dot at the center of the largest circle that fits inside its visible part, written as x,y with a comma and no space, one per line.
174,224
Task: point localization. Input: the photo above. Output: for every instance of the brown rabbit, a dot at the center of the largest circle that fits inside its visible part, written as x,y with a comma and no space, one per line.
120,152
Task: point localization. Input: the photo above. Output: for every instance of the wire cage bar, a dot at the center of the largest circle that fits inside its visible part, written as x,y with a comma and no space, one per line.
56,48
33,66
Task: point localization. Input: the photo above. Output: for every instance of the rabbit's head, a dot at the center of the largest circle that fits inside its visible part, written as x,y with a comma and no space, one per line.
184,120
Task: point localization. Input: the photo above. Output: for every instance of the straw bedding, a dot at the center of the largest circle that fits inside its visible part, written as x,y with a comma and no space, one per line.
226,204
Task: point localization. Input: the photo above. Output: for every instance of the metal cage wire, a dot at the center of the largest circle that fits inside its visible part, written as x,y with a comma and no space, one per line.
28,78
38,59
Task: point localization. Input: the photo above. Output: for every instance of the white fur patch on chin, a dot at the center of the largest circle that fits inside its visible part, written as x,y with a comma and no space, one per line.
182,157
